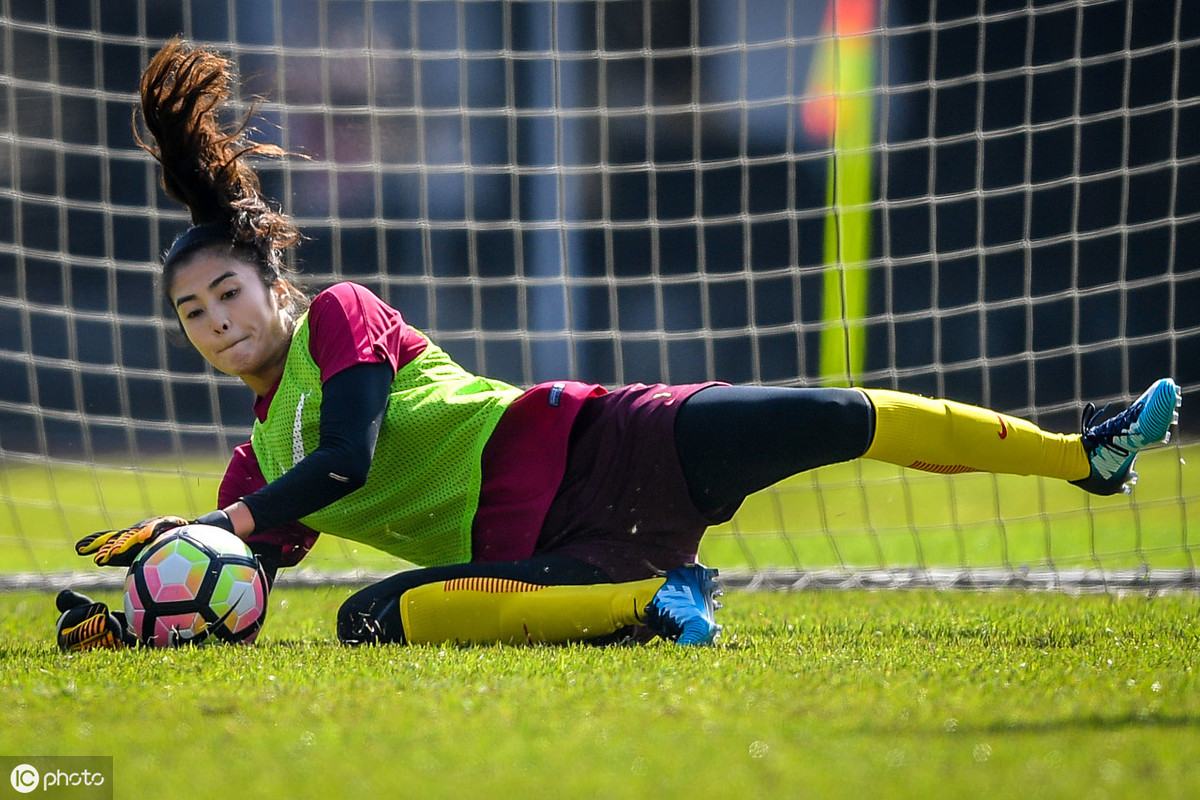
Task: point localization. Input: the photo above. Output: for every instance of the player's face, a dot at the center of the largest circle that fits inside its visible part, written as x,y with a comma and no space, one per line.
239,325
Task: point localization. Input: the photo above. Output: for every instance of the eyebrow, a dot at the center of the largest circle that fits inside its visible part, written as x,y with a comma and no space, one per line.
213,285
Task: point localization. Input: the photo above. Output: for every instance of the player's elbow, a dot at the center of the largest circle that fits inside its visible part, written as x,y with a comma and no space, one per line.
347,466
349,479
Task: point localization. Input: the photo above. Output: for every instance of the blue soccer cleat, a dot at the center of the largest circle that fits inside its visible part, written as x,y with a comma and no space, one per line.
682,610
1113,444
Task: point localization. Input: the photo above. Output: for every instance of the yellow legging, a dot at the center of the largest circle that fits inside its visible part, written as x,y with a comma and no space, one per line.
498,610
948,437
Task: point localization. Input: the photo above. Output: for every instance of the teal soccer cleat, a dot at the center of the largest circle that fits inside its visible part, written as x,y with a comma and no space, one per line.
1113,444
682,610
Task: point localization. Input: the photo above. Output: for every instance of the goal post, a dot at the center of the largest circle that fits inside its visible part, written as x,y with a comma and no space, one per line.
630,191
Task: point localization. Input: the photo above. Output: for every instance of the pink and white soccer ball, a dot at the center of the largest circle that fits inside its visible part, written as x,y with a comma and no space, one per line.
193,584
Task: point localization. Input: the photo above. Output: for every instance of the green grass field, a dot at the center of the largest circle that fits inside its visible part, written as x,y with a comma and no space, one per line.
814,694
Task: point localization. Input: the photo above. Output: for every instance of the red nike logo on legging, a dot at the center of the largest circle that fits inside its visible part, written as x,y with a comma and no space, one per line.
1003,432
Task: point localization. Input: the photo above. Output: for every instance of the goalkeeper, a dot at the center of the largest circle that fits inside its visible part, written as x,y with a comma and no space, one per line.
562,512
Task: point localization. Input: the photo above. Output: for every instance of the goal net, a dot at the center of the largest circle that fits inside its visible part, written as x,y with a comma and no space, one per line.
994,202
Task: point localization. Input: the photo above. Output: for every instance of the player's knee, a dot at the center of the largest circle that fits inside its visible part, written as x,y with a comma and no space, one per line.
850,416
365,619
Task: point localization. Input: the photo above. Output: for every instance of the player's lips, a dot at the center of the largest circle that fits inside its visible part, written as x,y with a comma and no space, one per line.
234,343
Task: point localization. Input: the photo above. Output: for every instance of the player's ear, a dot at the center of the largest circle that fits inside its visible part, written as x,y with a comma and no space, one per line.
283,294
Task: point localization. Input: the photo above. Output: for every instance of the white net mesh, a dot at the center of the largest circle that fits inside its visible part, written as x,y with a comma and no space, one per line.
637,191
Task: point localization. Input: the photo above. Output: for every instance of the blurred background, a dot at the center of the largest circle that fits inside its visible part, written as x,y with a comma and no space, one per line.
618,192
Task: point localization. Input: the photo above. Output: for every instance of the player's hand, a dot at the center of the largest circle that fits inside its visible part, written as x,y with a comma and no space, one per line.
118,548
84,624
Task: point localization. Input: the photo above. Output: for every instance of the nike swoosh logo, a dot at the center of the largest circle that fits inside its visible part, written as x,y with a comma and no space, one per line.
1003,432
298,431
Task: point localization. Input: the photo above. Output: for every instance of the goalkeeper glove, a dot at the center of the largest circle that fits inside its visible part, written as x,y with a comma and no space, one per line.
118,548
87,625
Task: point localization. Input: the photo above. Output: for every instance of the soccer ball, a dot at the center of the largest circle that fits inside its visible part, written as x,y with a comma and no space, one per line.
193,583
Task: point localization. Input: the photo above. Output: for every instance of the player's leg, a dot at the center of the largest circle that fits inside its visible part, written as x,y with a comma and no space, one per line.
735,440
741,439
543,599
374,614
949,437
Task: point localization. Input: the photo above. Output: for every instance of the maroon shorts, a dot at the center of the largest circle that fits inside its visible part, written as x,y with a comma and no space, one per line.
623,505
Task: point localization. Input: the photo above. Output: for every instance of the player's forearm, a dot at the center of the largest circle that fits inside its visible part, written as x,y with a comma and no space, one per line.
242,519
319,480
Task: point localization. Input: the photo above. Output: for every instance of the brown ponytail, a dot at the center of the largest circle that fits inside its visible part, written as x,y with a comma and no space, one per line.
204,162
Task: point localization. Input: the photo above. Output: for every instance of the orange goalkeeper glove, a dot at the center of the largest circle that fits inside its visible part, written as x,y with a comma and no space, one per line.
84,624
118,548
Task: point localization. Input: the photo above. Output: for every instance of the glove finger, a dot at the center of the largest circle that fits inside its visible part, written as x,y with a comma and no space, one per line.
69,598
124,559
118,553
112,548
94,541
93,633
87,628
120,550
128,541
